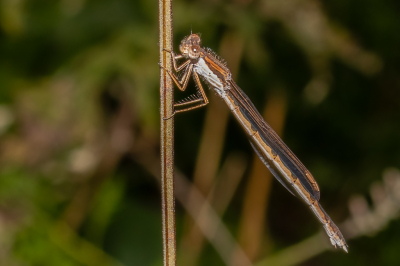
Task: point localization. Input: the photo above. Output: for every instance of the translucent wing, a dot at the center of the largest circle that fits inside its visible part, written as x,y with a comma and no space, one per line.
276,144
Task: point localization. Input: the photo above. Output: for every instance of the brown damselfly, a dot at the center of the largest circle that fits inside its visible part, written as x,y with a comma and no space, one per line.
273,152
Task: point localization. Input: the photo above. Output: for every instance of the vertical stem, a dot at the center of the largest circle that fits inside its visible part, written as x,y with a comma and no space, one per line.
167,134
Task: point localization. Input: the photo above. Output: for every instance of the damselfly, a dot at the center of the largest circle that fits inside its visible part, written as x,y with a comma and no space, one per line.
273,152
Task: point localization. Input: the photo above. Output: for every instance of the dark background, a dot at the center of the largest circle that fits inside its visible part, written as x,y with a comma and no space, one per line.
79,130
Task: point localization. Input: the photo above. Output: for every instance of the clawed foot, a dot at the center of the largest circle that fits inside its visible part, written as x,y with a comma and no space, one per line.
168,51
169,117
163,67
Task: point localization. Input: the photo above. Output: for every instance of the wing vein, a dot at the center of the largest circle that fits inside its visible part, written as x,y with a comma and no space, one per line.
275,142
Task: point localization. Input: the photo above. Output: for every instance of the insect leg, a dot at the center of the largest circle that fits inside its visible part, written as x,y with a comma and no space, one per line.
177,57
181,84
203,97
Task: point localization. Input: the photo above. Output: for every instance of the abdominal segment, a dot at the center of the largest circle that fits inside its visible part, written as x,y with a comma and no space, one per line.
284,170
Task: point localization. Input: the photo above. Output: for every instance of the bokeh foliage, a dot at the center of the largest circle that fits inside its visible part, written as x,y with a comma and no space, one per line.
79,118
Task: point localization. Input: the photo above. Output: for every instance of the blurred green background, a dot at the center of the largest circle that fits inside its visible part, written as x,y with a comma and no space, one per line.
79,132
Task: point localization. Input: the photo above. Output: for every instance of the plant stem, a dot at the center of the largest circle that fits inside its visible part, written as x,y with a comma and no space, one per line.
167,134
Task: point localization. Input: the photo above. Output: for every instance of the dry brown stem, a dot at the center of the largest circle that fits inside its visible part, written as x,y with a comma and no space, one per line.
167,134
